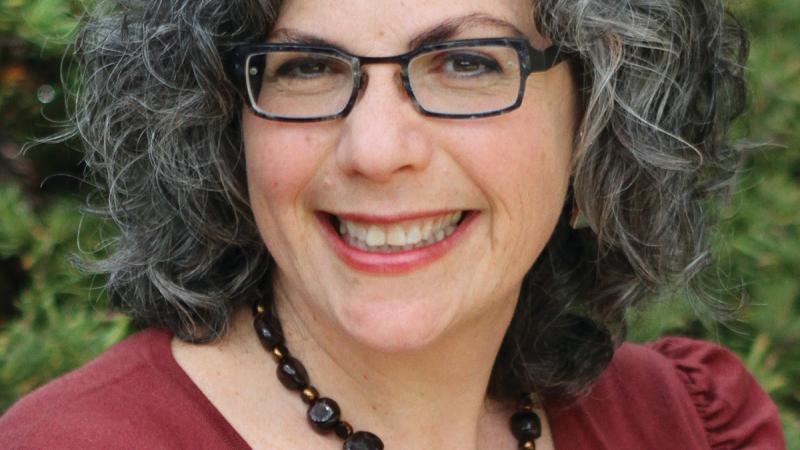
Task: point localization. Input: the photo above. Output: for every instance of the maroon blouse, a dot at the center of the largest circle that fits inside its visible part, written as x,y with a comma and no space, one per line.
676,393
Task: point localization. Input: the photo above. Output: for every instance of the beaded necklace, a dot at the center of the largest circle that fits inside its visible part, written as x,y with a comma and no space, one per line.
324,414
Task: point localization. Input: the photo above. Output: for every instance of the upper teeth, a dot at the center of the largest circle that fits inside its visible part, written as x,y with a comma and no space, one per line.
405,235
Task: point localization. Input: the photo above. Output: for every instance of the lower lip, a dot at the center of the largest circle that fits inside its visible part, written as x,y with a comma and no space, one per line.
394,262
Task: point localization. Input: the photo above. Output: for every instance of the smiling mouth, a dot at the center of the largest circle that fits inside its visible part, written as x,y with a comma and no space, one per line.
397,236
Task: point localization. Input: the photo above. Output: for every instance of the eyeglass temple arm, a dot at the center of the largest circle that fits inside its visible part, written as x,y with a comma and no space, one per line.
233,66
541,60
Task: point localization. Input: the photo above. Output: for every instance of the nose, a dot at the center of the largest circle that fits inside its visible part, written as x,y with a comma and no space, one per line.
383,135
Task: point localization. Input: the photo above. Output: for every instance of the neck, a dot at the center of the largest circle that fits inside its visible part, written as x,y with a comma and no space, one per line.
431,397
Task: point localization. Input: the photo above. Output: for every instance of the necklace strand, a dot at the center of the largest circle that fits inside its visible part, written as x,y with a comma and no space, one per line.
324,414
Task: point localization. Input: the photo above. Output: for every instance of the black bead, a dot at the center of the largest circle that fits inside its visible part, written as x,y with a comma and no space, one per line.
269,334
526,426
323,414
292,374
363,440
343,429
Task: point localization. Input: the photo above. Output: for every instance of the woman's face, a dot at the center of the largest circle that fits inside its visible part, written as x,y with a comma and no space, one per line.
386,172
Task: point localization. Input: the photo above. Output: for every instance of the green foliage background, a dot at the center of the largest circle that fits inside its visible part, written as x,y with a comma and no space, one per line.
53,318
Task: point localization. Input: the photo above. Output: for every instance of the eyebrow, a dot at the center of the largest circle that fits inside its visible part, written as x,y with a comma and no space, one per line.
437,33
451,27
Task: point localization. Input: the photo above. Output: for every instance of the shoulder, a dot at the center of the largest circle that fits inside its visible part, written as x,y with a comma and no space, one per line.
734,409
685,393
132,393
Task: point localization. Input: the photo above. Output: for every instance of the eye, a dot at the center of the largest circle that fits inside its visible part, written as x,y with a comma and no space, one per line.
305,68
470,64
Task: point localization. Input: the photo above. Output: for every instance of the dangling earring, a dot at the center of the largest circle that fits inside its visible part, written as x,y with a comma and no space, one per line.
576,218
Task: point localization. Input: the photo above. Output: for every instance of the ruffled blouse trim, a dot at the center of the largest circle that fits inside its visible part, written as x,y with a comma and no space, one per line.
735,411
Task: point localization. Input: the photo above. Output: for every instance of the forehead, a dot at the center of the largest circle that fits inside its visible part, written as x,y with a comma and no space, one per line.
386,26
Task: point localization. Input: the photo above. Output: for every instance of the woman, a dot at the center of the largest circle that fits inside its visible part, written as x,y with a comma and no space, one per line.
397,187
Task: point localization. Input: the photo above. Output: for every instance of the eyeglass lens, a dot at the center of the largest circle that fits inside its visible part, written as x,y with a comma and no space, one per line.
458,81
467,80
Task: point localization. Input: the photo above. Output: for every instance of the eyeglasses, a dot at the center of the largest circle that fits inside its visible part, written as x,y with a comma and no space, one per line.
460,79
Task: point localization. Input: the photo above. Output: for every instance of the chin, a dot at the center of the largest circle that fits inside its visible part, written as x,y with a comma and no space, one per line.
392,325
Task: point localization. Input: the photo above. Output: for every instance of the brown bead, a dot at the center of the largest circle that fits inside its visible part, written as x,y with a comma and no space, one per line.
292,374
309,394
525,402
343,429
527,445
279,352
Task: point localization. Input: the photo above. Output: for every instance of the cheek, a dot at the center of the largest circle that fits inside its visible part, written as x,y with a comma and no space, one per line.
522,167
281,161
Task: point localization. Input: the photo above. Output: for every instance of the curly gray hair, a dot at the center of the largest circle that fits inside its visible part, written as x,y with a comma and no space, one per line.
661,81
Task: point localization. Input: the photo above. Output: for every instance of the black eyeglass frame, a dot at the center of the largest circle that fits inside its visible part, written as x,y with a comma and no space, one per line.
531,60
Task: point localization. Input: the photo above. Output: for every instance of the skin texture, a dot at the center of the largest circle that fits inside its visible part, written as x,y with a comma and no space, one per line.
407,355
